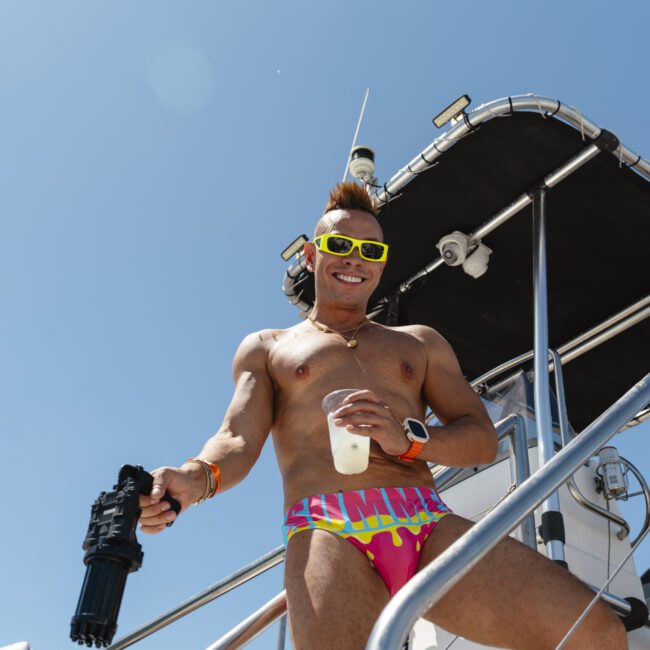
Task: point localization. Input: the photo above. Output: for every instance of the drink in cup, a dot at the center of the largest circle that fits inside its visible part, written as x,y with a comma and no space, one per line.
349,450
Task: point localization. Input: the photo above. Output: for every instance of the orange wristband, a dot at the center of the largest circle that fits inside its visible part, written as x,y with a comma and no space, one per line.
213,475
413,452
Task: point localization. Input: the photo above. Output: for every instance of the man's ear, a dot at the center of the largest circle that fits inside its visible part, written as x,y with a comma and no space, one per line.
310,255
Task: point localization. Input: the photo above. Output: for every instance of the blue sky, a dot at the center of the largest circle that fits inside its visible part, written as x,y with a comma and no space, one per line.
155,158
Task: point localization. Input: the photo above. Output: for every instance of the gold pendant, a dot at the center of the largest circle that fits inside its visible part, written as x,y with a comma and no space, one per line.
352,343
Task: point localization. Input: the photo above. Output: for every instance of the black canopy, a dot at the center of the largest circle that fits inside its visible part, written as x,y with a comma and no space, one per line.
598,233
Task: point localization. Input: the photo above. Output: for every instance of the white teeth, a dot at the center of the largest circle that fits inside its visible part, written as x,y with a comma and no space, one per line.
348,278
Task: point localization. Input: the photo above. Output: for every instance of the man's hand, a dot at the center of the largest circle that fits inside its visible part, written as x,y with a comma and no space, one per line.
180,483
366,414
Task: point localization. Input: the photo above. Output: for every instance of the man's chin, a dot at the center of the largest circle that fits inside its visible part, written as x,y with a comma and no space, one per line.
349,300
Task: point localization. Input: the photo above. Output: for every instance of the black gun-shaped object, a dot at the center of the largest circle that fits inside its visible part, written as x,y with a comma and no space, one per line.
112,552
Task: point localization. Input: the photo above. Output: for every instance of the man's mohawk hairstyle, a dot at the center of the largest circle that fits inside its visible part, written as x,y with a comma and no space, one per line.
350,196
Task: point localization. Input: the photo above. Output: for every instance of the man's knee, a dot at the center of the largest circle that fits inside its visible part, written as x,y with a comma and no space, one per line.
610,631
601,629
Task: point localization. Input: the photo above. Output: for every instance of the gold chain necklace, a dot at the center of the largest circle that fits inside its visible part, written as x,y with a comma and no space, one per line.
350,341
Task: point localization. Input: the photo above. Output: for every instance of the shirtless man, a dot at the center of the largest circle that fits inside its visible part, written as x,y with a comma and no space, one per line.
339,579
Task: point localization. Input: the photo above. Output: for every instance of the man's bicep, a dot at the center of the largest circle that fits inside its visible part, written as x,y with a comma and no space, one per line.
445,388
250,413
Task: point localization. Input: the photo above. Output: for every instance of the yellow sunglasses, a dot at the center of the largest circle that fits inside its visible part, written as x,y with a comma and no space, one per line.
373,251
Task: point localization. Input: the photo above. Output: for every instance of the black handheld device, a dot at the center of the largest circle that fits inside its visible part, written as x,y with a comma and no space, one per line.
112,552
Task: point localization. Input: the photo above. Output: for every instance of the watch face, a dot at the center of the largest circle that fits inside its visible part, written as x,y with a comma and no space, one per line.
418,430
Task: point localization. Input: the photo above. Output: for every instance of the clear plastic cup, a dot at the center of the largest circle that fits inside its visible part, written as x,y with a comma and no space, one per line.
349,450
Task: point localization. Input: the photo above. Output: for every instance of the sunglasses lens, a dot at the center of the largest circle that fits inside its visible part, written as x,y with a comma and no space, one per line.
339,245
372,251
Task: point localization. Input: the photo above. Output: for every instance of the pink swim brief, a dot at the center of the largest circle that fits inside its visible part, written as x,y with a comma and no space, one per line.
388,525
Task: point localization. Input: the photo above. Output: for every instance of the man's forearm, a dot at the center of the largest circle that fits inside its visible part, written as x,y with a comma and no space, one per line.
231,454
468,440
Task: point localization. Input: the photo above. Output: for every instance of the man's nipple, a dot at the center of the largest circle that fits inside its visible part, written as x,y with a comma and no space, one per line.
406,370
302,371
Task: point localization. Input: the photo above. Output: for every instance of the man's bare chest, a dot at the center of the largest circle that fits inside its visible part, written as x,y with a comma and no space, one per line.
318,358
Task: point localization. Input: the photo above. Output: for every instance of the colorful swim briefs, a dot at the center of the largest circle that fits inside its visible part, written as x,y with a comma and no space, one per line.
388,525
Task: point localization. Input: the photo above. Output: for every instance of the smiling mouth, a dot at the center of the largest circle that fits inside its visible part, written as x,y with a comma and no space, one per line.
348,279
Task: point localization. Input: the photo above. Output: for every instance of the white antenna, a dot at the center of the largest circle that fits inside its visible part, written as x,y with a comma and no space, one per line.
356,133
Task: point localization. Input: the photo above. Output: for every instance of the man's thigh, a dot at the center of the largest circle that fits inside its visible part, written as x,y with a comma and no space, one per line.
334,595
517,598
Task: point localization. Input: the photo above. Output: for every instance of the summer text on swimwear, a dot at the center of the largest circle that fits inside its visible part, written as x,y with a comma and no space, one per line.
388,525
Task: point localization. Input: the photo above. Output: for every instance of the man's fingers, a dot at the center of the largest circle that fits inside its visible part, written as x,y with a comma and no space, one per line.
363,395
156,517
152,530
160,481
154,509
146,501
161,478
361,429
364,406
365,417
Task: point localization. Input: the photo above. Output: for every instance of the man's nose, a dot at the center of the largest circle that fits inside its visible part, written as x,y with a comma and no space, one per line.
354,256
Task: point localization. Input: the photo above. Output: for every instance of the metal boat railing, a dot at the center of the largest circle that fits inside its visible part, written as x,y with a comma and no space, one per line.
436,579
251,627
572,349
220,588
574,491
645,491
513,429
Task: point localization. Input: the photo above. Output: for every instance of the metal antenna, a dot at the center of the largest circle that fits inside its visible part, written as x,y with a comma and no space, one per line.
356,133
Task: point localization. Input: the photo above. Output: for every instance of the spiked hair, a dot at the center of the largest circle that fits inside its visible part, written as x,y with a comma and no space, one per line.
350,196
345,196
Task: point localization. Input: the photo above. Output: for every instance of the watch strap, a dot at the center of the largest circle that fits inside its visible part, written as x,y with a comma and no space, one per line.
412,452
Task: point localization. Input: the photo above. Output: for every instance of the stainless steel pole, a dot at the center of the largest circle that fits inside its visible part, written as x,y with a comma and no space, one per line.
545,446
436,579
571,484
282,632
519,461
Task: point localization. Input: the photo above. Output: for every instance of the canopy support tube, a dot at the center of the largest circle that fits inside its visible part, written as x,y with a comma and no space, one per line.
501,217
552,523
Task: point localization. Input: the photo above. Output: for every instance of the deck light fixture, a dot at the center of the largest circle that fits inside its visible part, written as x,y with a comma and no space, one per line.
452,111
294,247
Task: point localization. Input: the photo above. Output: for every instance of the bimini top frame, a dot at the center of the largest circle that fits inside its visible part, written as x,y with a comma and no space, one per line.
504,107
475,178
